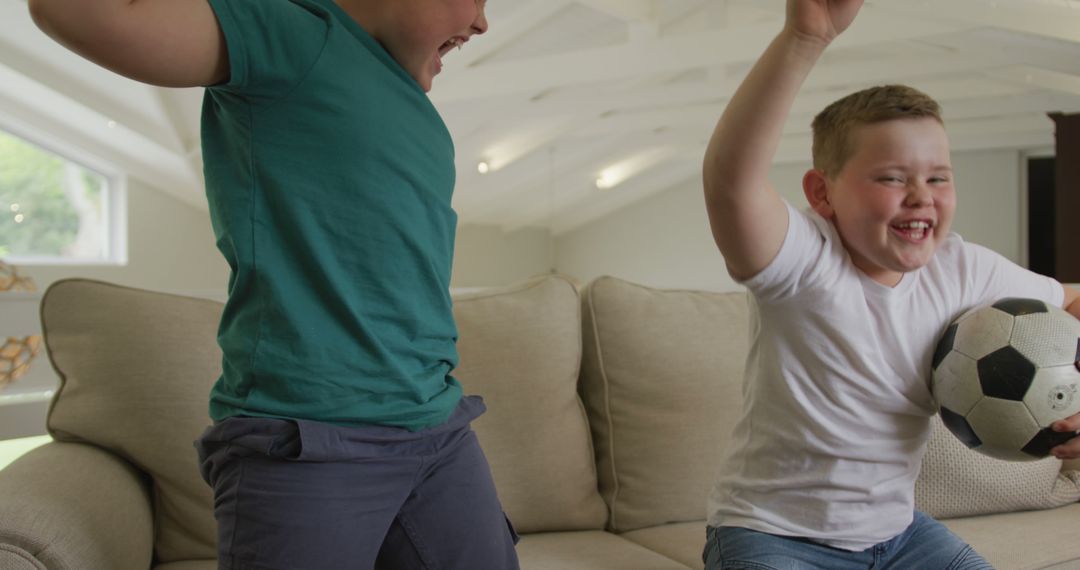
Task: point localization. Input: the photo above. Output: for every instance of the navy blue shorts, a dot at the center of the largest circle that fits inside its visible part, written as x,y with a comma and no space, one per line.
296,495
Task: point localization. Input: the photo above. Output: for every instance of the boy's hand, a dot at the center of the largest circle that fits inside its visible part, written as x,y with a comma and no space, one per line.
1070,449
821,20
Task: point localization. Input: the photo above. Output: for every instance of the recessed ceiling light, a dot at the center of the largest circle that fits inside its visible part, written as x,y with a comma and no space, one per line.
483,167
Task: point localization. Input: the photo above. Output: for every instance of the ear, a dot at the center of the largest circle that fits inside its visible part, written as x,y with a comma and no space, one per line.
816,188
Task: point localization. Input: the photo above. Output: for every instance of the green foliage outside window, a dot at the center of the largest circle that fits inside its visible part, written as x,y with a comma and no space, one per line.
49,206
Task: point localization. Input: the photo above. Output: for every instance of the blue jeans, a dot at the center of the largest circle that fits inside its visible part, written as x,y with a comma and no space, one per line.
926,545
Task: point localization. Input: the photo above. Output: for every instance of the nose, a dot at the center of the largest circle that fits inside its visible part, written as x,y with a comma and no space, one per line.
919,194
480,24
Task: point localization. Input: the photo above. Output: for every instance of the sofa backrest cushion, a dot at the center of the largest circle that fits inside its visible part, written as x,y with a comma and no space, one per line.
661,379
520,349
136,369
958,482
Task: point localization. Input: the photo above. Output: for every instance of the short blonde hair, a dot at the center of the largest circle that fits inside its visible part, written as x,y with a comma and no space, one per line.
833,126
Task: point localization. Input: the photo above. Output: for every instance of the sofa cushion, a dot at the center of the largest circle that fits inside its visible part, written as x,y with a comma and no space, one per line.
1026,540
958,482
662,376
588,550
682,542
520,349
135,373
190,565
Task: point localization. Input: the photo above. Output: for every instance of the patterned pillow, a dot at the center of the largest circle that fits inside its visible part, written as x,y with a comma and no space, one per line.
958,482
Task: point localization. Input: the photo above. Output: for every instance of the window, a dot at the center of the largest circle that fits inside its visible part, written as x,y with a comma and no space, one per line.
56,211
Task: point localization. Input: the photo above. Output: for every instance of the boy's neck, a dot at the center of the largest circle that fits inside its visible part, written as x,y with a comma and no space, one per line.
366,13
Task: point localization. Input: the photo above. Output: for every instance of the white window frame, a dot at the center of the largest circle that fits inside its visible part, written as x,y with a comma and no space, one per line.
116,207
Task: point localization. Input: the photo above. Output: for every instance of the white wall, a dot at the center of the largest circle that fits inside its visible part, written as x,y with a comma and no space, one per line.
664,240
486,256
170,248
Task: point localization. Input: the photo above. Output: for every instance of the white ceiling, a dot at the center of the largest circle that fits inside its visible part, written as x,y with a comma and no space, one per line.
561,92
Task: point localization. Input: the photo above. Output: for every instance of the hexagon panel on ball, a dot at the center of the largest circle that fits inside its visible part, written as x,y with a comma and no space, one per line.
1047,339
953,385
1006,374
1019,306
1044,441
983,331
1004,427
1054,394
960,427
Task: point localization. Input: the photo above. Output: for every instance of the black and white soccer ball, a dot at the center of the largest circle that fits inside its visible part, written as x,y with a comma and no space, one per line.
1003,373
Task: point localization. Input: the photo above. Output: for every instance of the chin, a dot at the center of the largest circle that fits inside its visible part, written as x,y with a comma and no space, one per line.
909,265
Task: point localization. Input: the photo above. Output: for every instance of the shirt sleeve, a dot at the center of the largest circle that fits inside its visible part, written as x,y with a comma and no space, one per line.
990,276
272,44
806,258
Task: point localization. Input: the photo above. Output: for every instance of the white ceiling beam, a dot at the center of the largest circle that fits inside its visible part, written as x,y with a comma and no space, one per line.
663,55
1024,130
89,96
577,164
595,204
526,18
642,11
488,194
590,115
978,106
67,123
1037,77
686,169
1057,21
571,197
978,54
190,150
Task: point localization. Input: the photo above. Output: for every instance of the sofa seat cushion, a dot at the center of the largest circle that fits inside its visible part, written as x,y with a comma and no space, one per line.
958,482
1024,540
588,550
661,377
189,565
520,349
14,558
682,542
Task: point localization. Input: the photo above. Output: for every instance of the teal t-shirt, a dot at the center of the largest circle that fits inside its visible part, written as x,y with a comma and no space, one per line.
329,176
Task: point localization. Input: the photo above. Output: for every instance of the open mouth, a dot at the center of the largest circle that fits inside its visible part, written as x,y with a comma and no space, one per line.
446,47
450,44
914,230
455,42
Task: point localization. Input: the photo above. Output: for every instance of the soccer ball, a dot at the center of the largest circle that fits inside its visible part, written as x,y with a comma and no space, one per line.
1004,372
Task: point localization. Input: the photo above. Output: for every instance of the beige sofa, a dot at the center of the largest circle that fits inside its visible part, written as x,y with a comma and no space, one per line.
608,414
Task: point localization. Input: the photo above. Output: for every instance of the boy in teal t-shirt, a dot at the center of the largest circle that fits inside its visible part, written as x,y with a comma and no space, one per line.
340,440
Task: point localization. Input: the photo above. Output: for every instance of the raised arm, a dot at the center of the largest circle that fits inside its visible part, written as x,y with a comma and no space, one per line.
748,218
172,43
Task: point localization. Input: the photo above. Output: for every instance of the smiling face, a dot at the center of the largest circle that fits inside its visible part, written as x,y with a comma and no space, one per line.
418,33
893,200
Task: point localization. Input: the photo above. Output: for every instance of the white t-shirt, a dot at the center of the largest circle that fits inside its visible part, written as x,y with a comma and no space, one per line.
836,397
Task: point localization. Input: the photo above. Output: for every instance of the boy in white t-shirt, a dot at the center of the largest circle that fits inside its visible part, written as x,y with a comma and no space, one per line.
849,300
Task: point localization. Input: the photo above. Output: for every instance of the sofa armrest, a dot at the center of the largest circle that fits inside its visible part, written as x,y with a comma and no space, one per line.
70,506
